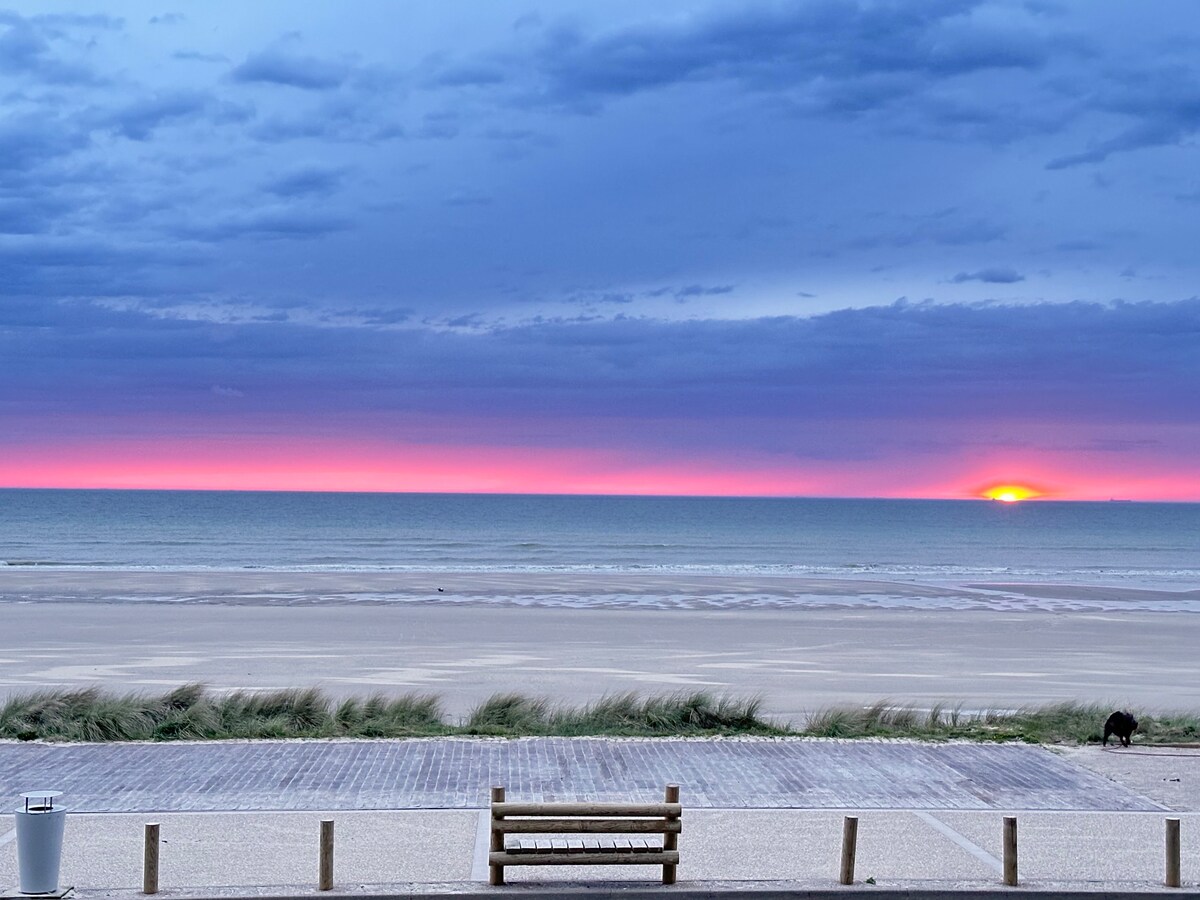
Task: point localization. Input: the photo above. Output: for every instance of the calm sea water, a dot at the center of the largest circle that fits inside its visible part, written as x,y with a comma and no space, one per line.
1153,544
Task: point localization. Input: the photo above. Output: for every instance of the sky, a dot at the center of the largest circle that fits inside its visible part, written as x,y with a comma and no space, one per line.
816,248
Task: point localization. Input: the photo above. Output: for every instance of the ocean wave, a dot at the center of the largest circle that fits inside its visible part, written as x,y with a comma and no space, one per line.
63,564
717,601
941,575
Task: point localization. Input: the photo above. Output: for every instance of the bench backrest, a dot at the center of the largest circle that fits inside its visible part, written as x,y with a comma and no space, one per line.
586,818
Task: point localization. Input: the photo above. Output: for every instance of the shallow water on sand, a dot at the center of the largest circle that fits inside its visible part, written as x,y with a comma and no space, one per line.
567,590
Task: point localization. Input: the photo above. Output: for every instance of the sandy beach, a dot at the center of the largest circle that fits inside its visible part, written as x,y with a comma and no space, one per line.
342,632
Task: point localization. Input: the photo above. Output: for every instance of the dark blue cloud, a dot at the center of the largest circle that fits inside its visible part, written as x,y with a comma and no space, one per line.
1160,103
836,56
30,141
700,290
1151,132
1078,245
138,120
994,275
377,316
267,223
952,226
31,47
1055,363
279,67
58,23
30,217
65,268
307,180
198,56
357,118
593,298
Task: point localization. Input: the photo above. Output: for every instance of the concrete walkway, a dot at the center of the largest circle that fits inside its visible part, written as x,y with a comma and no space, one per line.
457,774
410,815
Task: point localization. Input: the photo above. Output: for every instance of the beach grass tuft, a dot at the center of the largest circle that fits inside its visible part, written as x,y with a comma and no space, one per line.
510,714
700,712
379,716
881,719
625,714
194,712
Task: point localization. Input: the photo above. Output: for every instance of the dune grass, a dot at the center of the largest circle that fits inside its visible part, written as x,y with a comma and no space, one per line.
622,714
1058,723
193,712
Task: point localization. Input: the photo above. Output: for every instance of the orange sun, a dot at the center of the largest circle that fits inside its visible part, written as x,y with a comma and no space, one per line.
1010,493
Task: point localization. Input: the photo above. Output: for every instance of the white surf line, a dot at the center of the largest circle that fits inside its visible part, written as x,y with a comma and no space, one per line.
5,838
974,849
483,843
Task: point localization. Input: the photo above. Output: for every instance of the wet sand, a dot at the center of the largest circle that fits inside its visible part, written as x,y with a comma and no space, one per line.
269,630
307,587
663,590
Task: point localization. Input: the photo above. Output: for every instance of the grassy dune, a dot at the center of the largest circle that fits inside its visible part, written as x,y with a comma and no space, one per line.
192,712
1059,723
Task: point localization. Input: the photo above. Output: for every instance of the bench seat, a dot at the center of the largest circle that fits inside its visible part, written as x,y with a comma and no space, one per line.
583,845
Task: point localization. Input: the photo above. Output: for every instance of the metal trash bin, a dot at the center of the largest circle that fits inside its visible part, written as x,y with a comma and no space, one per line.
39,841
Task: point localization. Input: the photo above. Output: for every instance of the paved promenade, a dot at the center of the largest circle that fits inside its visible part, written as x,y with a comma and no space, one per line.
457,774
760,816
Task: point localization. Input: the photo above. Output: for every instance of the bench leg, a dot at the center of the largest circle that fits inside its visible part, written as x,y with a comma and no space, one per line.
670,840
496,842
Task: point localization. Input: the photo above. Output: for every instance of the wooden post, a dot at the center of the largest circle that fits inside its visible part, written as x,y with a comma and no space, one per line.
150,860
1172,879
670,839
849,848
496,872
1010,850
325,857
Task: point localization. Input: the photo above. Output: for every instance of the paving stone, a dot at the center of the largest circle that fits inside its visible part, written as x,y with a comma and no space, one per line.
457,774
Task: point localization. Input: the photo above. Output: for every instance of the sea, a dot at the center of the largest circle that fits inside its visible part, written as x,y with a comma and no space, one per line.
1144,545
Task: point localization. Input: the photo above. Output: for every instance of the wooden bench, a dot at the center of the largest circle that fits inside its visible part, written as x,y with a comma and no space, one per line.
602,822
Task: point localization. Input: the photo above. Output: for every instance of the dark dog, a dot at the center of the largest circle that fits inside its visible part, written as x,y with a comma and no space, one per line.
1122,724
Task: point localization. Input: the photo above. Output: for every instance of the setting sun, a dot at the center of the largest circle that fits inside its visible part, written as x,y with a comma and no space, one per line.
1010,493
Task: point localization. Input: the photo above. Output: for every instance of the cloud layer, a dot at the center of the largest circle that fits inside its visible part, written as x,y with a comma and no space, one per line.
818,230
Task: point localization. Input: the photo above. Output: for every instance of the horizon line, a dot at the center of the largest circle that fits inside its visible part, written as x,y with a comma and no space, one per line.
665,496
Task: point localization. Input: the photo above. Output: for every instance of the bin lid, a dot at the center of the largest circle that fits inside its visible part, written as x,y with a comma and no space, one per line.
40,799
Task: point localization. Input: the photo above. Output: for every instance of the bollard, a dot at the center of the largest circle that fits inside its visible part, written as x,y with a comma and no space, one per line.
150,860
1010,850
496,873
670,839
849,848
39,841
1172,879
325,864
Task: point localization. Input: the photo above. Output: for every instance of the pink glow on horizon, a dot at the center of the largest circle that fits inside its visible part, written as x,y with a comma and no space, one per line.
306,464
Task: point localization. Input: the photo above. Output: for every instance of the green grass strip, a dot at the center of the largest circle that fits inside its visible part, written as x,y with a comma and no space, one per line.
194,712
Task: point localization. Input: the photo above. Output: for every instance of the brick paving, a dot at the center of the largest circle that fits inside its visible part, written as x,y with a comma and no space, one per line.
456,774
